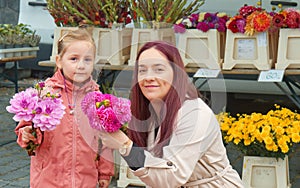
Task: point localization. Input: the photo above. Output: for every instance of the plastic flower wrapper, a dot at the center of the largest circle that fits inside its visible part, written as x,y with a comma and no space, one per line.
106,112
38,105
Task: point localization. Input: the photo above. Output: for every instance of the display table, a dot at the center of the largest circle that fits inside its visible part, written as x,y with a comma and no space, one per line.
15,60
291,77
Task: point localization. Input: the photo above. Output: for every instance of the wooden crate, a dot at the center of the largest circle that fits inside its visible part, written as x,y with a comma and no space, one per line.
201,49
141,35
288,49
265,172
250,52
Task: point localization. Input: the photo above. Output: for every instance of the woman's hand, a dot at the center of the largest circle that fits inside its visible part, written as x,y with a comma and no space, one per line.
113,140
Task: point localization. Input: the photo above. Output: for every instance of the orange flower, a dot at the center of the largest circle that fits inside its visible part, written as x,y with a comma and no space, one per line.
262,22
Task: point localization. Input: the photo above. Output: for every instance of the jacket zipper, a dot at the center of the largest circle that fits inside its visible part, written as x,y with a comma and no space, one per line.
73,152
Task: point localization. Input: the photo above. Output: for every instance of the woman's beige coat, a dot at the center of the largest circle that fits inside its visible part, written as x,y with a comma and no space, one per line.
195,157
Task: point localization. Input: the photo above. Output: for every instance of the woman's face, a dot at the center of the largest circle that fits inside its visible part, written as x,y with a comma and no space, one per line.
155,74
77,62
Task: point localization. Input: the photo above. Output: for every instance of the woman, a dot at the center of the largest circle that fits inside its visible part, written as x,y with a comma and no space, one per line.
174,139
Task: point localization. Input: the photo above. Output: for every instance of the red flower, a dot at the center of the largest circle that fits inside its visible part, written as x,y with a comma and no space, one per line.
278,20
233,26
293,19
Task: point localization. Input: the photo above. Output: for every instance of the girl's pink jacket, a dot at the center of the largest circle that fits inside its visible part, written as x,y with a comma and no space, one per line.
64,159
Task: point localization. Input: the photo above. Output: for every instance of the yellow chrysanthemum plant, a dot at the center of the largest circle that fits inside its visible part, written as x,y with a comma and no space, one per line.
267,135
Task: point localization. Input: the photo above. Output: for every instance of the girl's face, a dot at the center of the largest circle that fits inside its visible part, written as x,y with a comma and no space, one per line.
77,62
155,74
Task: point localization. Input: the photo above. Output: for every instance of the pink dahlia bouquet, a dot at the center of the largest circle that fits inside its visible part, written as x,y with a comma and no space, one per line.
39,106
203,21
106,113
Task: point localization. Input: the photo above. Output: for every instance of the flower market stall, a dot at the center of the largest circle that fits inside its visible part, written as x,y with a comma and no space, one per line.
241,48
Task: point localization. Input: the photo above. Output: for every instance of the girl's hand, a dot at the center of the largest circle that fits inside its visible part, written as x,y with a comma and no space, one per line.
104,183
26,134
114,140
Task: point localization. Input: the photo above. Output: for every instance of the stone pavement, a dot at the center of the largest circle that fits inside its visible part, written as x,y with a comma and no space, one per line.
14,162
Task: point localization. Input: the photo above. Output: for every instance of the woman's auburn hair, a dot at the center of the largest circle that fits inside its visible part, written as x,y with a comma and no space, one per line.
143,114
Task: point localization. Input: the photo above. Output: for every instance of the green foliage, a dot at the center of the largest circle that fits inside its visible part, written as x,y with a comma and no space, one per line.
167,11
20,34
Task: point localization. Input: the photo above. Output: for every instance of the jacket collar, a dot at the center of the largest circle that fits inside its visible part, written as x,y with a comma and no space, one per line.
58,80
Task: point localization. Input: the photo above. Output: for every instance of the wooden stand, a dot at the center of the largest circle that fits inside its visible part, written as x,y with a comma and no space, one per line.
201,49
288,49
140,36
265,172
126,177
244,51
112,45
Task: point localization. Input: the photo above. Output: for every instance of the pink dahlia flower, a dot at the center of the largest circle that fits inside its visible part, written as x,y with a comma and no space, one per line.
23,105
49,112
106,112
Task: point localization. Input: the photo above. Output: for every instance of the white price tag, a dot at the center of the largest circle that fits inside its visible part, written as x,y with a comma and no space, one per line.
206,73
271,76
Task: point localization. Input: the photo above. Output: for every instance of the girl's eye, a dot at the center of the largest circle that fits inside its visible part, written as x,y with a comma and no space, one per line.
73,59
88,60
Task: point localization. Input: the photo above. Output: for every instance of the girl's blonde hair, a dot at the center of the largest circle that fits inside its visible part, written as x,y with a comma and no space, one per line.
80,34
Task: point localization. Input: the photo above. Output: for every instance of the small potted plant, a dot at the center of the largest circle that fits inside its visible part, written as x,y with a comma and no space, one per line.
13,39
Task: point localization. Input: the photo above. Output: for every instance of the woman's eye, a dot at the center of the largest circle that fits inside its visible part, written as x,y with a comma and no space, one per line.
142,70
159,70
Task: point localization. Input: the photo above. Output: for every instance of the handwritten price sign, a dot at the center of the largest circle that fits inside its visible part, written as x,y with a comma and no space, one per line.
271,76
206,73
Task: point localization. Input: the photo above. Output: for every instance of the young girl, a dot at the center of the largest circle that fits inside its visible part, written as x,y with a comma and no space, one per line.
174,139
63,158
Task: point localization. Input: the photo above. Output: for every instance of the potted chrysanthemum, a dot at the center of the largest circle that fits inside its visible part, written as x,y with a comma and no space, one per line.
264,139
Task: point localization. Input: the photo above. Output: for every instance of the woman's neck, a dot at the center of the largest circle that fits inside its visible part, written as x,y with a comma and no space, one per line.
157,106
